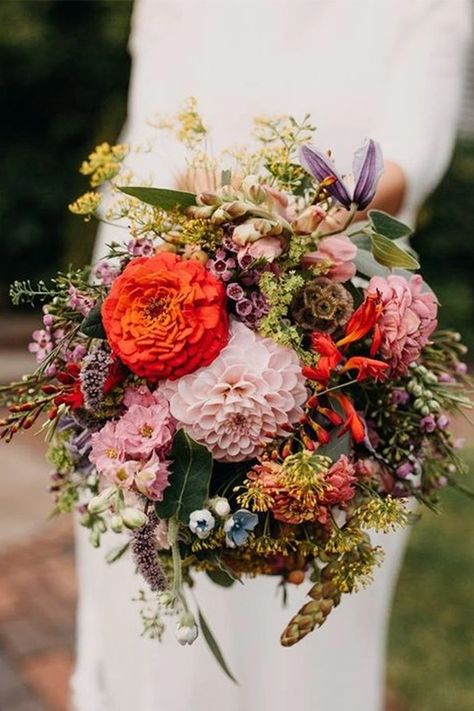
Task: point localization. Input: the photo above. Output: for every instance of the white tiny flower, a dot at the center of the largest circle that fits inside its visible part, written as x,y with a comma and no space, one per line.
220,506
201,523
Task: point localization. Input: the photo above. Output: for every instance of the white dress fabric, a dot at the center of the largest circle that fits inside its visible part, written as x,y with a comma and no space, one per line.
388,69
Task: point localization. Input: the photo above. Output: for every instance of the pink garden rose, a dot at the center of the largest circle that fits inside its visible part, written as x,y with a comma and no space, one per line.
338,251
341,479
268,248
408,319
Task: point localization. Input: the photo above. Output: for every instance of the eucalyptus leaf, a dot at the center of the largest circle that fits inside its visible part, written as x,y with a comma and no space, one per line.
190,474
389,254
92,325
214,647
388,226
162,197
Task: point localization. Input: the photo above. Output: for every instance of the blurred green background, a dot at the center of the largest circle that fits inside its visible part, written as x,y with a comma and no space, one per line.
63,82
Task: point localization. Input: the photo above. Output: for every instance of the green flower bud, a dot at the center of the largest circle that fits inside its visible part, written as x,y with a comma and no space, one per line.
101,502
116,523
133,518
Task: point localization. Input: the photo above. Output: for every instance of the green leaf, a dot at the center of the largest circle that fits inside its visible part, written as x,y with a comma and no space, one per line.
214,647
220,577
162,197
336,446
388,226
366,264
389,254
117,553
191,468
92,325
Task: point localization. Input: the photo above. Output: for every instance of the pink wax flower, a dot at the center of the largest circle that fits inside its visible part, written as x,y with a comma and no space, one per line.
79,302
105,272
151,479
41,344
146,429
107,448
341,478
338,251
408,319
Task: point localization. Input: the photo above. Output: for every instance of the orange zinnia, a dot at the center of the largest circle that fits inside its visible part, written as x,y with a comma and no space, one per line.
165,317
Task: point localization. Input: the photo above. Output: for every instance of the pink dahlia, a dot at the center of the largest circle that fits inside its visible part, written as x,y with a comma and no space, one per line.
340,480
407,321
244,398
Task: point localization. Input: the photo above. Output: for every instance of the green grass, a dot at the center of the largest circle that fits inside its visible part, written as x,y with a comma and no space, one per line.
431,647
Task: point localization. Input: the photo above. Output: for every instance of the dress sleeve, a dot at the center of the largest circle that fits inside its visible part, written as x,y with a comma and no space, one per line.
422,96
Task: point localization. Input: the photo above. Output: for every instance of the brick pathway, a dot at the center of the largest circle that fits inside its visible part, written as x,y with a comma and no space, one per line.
37,602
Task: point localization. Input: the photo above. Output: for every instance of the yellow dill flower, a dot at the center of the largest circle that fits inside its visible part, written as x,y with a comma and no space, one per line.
191,129
104,162
86,204
383,514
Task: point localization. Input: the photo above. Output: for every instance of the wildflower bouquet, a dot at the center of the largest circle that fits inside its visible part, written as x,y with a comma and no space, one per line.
252,383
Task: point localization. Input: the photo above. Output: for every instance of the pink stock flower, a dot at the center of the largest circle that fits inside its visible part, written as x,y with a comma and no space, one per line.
341,479
107,448
338,251
249,394
408,319
144,430
152,478
122,474
141,395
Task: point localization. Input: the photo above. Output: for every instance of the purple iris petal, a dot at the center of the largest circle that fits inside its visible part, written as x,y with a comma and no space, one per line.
367,167
321,167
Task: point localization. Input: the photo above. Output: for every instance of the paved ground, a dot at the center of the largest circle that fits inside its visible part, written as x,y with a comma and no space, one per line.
37,581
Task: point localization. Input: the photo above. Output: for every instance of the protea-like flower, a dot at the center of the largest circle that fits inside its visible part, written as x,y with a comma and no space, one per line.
367,167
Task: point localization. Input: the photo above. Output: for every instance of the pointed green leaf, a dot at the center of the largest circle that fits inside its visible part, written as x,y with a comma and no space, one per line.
220,577
92,325
388,226
188,490
389,254
214,647
226,177
336,446
162,197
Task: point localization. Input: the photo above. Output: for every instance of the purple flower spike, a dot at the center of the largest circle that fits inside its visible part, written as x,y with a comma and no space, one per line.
367,167
322,169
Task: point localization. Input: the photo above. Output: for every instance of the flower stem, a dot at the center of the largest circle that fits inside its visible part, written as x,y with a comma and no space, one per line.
177,590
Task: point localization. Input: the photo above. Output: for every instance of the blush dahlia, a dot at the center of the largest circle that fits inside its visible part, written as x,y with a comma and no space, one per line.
165,317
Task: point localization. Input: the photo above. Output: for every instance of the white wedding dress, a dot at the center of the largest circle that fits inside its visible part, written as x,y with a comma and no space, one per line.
389,69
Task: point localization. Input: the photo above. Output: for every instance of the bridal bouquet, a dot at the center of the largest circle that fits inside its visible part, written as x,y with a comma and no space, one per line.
251,382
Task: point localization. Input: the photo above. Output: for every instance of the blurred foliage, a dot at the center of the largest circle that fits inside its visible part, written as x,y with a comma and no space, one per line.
444,240
431,650
63,83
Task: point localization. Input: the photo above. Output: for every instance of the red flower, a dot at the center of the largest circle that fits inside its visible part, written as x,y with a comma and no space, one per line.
353,423
329,358
367,367
362,321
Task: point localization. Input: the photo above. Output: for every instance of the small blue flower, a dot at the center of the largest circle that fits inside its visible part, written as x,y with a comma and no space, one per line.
238,527
201,523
